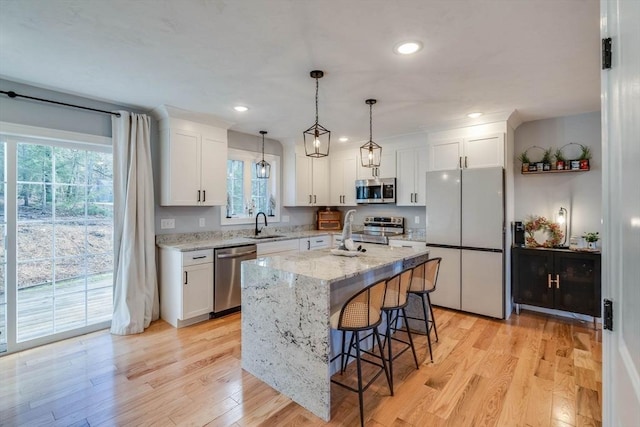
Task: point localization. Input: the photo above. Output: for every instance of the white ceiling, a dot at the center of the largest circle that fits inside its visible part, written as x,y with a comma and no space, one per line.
540,57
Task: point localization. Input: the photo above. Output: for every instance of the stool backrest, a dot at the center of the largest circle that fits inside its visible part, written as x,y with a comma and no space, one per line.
397,288
425,276
364,309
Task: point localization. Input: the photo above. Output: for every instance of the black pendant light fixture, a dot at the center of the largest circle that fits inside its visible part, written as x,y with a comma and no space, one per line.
317,138
370,152
263,169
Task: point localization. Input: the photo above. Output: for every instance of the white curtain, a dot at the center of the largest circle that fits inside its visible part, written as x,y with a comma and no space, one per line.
135,291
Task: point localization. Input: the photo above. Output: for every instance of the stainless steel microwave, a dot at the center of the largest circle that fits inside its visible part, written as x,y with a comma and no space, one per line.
382,190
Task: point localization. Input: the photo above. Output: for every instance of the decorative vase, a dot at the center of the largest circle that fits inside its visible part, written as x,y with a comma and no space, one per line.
525,167
560,165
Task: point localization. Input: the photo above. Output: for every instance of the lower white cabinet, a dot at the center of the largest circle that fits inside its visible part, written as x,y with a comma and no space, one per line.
315,242
399,243
277,248
186,286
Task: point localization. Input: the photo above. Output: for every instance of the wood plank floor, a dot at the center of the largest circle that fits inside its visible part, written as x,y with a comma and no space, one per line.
532,370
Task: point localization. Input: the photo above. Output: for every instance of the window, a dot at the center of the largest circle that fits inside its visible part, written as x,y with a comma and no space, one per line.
246,194
59,216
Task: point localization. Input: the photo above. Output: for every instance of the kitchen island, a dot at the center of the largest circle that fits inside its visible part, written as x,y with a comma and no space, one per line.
287,301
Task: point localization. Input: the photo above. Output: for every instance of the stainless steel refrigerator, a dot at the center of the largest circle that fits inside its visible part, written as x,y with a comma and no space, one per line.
465,226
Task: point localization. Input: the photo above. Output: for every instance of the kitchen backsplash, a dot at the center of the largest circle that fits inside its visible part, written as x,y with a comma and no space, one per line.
227,234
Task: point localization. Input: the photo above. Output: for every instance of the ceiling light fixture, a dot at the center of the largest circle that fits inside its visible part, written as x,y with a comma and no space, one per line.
343,139
240,108
474,115
263,169
407,48
370,153
317,138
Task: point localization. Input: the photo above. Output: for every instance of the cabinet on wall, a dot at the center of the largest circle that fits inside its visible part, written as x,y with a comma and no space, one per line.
470,152
311,181
343,178
186,286
193,161
411,166
387,168
558,279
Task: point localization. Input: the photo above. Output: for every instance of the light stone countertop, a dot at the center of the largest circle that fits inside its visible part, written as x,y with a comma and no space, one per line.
322,264
195,243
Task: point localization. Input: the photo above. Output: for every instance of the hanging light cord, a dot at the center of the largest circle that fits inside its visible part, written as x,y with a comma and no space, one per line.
370,123
316,101
263,147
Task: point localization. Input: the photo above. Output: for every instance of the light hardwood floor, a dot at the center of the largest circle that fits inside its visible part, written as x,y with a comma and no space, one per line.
532,370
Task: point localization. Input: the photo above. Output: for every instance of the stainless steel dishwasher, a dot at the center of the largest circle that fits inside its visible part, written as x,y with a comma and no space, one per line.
226,282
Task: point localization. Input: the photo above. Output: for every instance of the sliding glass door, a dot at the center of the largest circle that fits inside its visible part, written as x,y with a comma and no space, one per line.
59,224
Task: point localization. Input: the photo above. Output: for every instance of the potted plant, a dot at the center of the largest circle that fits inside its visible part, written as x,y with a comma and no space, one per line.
585,155
560,160
591,239
546,159
525,161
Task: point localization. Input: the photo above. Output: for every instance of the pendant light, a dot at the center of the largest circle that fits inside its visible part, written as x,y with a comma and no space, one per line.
370,152
263,169
317,138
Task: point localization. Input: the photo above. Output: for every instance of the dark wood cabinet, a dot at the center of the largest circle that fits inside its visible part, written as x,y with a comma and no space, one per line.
557,278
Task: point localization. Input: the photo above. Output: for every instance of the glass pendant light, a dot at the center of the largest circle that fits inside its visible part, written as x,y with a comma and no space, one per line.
370,152
317,138
263,169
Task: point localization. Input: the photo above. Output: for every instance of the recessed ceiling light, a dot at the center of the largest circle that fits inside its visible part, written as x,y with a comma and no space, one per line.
240,108
407,48
474,115
343,139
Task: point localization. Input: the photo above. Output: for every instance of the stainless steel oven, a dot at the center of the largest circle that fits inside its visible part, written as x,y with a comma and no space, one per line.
381,190
378,229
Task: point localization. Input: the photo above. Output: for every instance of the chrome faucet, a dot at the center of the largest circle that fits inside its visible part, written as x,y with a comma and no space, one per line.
265,222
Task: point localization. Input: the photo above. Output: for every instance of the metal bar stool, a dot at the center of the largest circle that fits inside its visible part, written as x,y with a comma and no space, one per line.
423,282
362,312
395,301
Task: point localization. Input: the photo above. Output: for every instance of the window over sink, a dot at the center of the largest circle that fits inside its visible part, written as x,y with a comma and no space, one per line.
246,194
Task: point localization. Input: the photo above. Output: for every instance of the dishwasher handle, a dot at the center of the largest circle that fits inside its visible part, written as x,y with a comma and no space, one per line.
236,255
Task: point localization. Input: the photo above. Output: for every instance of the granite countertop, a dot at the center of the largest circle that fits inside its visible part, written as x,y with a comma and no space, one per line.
196,242
322,264
409,237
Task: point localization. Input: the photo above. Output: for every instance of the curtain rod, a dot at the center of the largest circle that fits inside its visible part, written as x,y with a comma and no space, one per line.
12,94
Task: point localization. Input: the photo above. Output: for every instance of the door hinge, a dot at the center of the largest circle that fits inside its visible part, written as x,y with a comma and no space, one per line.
606,53
608,315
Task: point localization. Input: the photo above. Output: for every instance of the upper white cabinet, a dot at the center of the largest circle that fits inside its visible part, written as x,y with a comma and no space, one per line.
310,185
412,176
193,160
387,167
469,152
343,180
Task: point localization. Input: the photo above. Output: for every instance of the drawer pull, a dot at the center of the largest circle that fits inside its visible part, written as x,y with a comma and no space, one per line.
199,257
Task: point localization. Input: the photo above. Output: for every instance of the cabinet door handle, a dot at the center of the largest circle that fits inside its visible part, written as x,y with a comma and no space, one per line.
308,245
314,199
460,162
557,281
465,162
415,199
198,195
309,198
549,280
204,195
186,277
199,257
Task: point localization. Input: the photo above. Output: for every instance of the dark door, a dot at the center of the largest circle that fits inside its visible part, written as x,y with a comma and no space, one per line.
532,277
578,288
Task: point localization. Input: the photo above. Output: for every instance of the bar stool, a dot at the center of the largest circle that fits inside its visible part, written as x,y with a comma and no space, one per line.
362,312
395,301
423,282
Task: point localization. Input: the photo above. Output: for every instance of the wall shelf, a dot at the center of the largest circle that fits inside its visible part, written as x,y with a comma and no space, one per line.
553,171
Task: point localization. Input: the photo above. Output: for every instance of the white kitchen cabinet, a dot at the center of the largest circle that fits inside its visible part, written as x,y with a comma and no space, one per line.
412,176
387,168
311,181
400,243
315,242
193,162
343,180
278,247
469,152
186,286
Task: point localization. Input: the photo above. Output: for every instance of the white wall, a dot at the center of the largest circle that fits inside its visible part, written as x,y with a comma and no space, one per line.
579,192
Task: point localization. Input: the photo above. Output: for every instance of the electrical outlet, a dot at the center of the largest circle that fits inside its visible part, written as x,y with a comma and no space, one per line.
416,219
167,223
201,222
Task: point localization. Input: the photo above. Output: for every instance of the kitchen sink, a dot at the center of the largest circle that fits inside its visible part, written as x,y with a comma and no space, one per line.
266,236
